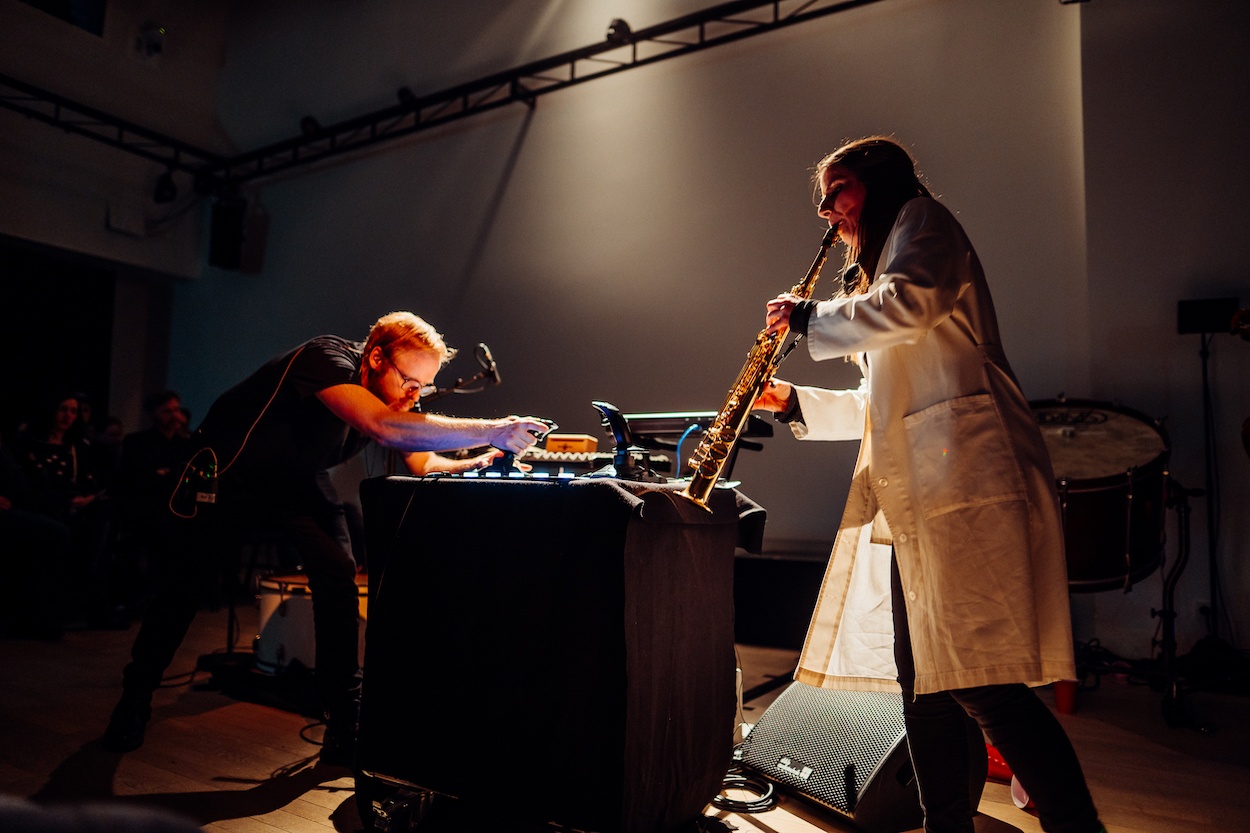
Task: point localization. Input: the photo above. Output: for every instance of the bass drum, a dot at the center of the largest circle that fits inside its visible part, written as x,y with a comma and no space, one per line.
1111,471
286,634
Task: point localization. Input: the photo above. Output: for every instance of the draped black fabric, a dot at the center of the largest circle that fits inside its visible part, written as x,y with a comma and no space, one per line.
563,648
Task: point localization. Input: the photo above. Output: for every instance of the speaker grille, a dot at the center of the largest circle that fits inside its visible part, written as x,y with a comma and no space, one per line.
844,749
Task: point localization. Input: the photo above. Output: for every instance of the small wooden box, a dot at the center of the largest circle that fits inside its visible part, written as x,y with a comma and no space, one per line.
571,442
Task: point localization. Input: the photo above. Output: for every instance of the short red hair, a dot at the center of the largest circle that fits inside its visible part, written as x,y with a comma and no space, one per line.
405,331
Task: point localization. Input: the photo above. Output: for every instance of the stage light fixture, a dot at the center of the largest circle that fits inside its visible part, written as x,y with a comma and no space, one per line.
166,190
407,98
309,126
619,32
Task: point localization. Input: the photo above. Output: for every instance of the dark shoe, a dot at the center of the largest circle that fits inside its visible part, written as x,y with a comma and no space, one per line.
127,725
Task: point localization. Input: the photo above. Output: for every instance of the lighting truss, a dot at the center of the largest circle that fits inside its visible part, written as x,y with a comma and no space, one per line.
622,50
72,117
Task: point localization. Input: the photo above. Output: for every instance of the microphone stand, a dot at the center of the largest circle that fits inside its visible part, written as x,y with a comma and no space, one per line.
1208,449
1207,317
1174,713
489,374
1211,660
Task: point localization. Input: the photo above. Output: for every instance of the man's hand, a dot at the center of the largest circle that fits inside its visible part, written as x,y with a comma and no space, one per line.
515,434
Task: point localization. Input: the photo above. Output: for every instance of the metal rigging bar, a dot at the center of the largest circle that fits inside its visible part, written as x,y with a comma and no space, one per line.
720,24
72,117
523,84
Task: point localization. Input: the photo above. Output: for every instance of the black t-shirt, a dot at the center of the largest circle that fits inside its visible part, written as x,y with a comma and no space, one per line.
271,432
151,464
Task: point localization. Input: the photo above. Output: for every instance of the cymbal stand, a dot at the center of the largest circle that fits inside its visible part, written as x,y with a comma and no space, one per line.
1174,713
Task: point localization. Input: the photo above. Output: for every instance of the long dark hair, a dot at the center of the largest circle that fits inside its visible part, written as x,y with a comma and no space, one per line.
889,176
42,422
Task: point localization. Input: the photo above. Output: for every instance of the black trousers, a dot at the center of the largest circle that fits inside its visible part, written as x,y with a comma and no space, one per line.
944,736
315,526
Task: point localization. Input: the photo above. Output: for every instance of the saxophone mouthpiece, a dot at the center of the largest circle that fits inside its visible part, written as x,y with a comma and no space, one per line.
830,235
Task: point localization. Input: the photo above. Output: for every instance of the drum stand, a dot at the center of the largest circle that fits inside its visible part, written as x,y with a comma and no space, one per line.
1174,713
232,660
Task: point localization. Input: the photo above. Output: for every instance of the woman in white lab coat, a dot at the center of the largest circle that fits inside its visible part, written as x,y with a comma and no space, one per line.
947,577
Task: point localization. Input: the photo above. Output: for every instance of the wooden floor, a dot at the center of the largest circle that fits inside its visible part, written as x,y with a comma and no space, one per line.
233,765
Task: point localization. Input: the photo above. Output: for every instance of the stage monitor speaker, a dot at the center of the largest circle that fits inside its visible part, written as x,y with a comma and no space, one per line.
845,750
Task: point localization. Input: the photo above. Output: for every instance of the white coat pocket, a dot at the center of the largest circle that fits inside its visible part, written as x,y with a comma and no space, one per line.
961,456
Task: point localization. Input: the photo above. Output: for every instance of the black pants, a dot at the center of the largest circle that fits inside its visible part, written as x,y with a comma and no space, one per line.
948,752
315,526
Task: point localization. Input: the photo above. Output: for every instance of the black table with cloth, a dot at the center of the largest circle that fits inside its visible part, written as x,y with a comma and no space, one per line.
557,649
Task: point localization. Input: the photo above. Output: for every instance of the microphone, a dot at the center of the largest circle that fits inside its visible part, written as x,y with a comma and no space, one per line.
476,383
487,361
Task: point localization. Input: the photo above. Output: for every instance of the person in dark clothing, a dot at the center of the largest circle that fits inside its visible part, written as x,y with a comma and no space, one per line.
66,485
56,456
260,460
151,461
33,548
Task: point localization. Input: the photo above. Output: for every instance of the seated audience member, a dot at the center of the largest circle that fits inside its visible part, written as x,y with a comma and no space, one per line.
61,468
33,547
151,461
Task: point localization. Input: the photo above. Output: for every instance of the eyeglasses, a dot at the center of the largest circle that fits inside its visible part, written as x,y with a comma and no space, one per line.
409,384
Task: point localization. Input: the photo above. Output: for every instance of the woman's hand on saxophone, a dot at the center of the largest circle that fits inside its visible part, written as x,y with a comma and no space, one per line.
775,396
779,309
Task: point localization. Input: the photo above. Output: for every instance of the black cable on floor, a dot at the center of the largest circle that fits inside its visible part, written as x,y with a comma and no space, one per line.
738,779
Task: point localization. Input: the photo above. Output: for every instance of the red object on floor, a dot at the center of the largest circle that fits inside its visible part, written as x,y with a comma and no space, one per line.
1065,696
999,771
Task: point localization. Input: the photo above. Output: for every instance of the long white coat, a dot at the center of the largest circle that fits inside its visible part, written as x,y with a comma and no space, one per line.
952,471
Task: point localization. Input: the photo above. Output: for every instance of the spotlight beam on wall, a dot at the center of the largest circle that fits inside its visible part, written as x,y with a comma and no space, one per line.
710,27
620,51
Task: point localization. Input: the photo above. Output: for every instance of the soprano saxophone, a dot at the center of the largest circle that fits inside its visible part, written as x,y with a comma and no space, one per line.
709,459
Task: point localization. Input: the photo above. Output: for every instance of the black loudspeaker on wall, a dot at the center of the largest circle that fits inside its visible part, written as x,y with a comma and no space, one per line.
227,232
845,750
238,232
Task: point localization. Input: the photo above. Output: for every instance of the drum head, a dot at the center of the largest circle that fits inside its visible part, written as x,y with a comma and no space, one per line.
1093,441
1111,474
